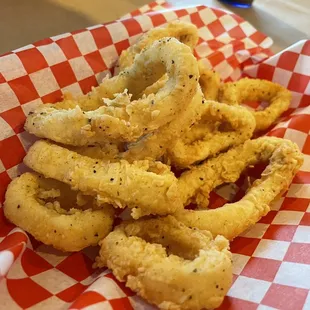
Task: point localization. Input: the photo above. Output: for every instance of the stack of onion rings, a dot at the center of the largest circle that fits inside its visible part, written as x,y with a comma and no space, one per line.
279,98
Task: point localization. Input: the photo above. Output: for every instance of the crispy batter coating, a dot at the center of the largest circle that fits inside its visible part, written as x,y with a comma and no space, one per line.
35,204
169,264
122,119
184,32
233,218
169,56
210,135
279,98
145,187
241,122
164,105
90,101
109,151
209,81
154,145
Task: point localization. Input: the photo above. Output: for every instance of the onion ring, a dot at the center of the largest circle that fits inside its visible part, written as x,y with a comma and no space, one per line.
183,153
233,218
25,206
145,187
185,32
209,82
169,264
122,119
279,98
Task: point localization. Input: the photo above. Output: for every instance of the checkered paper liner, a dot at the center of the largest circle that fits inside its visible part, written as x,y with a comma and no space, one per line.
271,260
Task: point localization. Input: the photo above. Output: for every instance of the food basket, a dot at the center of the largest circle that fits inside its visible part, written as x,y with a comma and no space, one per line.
271,261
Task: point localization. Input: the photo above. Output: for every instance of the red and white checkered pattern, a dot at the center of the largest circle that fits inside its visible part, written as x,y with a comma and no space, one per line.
271,261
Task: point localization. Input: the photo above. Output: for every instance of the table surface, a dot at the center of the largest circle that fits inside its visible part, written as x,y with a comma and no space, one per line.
23,22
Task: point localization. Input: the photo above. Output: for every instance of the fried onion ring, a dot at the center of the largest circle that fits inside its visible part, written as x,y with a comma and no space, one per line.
145,187
169,264
209,81
233,218
185,32
185,152
26,205
154,146
120,118
279,98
